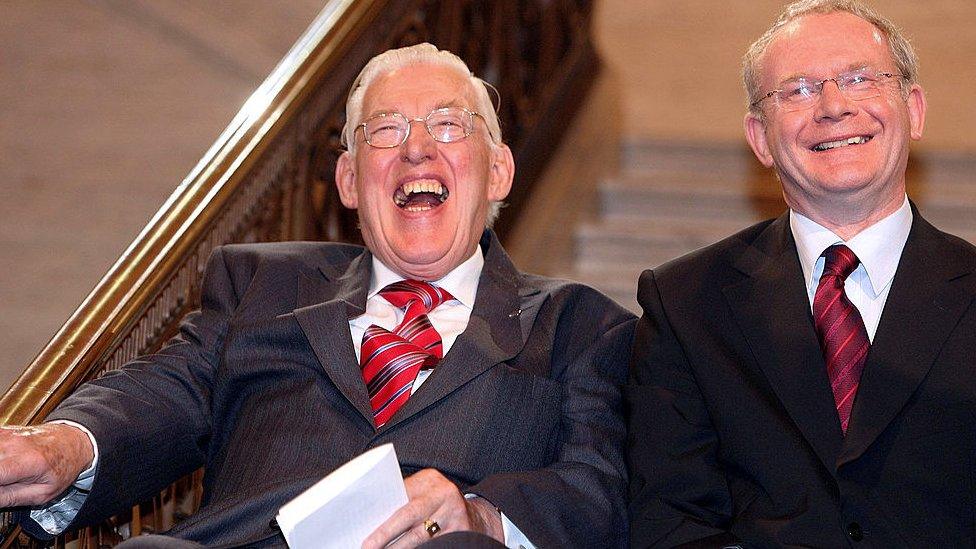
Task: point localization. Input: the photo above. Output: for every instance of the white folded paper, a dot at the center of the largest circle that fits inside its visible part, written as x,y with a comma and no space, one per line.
347,505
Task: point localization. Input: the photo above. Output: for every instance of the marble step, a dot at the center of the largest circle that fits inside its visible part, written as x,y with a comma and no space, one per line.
687,194
649,242
721,159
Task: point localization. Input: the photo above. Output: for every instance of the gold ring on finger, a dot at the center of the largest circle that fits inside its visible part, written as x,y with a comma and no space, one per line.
432,527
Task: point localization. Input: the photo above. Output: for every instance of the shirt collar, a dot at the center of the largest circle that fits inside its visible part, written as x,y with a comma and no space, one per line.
878,247
461,282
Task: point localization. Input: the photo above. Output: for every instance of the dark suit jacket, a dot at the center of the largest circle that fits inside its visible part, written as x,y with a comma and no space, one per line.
733,431
263,388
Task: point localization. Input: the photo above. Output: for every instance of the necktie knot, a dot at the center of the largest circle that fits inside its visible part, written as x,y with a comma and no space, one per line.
839,261
417,296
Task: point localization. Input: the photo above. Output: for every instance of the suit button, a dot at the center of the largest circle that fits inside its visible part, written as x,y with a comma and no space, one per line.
854,530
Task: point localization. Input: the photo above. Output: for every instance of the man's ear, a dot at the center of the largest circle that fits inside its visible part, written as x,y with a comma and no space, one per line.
916,111
345,179
756,136
501,172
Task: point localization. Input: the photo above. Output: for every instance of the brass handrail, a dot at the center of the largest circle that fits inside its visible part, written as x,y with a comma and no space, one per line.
158,251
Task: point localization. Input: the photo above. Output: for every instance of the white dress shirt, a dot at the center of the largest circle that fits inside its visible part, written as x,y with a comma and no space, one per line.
449,319
878,248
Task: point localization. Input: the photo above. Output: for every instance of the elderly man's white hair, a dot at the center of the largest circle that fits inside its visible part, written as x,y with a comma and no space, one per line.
419,54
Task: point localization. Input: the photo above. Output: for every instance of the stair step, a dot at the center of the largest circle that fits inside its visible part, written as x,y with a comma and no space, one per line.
719,159
648,242
689,195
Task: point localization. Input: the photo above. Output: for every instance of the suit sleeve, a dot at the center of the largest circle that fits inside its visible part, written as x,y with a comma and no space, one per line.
578,500
151,418
678,490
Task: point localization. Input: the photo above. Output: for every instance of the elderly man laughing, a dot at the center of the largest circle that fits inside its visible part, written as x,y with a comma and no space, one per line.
498,389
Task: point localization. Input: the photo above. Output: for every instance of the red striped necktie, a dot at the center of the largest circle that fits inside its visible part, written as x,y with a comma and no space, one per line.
391,360
843,338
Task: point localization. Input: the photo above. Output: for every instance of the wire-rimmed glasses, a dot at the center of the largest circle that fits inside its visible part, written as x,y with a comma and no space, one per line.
801,93
391,129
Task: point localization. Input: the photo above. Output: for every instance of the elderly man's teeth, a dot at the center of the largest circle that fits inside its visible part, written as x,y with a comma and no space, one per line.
842,143
422,187
420,195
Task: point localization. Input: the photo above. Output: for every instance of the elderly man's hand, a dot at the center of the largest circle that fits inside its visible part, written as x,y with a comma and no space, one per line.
38,463
433,497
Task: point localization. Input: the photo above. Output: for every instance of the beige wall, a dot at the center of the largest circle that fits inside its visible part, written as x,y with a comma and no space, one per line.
678,64
105,106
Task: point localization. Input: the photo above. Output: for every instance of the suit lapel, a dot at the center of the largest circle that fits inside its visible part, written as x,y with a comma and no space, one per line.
327,299
932,288
773,313
496,331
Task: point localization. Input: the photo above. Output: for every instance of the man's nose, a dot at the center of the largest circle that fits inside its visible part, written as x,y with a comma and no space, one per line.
419,146
833,103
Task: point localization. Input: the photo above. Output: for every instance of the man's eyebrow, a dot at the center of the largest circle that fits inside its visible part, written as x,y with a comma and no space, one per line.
859,65
445,104
794,76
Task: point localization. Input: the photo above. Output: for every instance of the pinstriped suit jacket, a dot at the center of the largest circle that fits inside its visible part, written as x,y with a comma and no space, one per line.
263,388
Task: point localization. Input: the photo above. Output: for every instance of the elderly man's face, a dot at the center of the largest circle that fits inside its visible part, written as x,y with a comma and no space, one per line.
816,173
423,237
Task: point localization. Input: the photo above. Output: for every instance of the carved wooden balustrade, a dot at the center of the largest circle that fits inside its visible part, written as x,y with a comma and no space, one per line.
269,176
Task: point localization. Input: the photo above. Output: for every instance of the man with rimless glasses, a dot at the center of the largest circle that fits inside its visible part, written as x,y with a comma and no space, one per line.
811,380
498,389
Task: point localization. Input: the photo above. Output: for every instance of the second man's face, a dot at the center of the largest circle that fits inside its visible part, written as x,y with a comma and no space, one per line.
425,236
839,149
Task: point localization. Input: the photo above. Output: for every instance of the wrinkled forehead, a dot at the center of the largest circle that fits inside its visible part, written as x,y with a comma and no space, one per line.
823,45
417,89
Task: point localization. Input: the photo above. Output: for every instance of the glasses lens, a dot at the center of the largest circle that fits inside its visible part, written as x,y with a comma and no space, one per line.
859,84
797,94
386,130
450,124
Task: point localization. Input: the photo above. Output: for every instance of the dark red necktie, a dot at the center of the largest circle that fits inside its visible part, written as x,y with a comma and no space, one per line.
843,339
391,360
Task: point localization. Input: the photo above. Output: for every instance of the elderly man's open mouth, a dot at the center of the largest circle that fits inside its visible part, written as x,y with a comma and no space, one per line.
420,195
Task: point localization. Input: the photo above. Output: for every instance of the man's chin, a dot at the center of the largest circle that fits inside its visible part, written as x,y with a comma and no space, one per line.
422,262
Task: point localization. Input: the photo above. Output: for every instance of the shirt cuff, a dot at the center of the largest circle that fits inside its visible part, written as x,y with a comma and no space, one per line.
514,538
56,517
